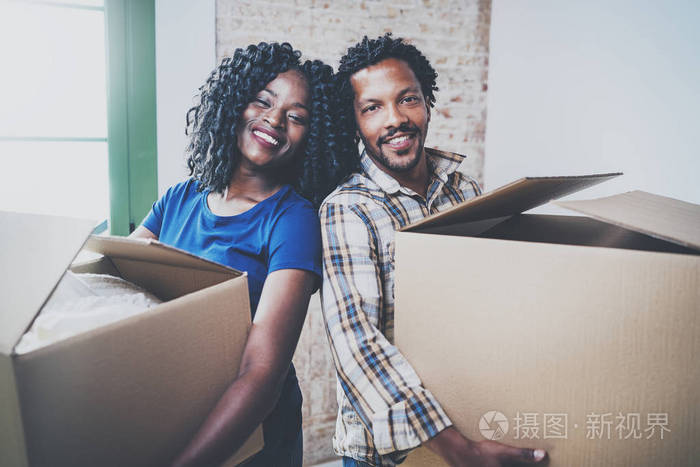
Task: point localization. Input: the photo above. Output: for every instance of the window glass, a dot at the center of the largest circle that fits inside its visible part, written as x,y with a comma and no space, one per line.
57,178
85,3
53,117
53,77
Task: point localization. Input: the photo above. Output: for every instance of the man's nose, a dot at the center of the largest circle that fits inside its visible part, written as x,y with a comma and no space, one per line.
395,117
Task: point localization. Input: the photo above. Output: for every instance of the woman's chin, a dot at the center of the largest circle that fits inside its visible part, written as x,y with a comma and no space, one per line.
270,166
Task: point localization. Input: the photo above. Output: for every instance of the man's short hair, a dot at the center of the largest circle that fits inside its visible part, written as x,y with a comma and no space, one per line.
369,52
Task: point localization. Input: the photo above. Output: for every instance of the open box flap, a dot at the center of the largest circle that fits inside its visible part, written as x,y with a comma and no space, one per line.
152,251
36,251
657,216
514,198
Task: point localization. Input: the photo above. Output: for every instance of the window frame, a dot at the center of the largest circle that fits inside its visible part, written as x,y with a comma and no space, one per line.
131,111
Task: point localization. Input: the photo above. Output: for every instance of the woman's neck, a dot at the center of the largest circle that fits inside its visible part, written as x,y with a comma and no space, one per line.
246,189
252,184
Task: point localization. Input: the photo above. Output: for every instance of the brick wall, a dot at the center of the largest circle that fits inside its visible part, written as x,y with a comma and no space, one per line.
454,35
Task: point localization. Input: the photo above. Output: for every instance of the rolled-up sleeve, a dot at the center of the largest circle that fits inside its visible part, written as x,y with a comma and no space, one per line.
380,384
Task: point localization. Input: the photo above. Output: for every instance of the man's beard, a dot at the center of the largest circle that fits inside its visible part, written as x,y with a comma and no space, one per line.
395,166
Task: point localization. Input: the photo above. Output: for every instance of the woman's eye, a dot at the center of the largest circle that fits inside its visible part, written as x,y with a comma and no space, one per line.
298,119
261,102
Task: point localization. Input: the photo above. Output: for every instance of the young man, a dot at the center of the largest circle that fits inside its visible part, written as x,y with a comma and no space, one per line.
387,86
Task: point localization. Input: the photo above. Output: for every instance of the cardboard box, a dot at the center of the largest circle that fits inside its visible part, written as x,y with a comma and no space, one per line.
579,335
130,393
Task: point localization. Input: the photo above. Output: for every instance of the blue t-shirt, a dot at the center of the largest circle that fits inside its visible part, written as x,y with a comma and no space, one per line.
280,232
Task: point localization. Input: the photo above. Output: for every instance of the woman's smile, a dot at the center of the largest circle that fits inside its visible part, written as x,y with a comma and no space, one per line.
267,136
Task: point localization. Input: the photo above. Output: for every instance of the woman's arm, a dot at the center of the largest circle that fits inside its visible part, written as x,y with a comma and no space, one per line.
266,358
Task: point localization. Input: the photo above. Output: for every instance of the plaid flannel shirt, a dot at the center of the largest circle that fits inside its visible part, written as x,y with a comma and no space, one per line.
384,411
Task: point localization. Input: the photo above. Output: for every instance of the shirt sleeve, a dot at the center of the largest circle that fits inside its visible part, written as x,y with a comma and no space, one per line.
383,388
295,241
154,219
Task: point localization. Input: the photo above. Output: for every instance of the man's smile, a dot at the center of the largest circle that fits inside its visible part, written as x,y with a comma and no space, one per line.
400,142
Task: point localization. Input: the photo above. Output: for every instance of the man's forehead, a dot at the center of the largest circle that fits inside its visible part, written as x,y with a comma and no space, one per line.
389,76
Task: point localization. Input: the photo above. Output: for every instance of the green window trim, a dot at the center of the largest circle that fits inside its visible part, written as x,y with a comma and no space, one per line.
131,111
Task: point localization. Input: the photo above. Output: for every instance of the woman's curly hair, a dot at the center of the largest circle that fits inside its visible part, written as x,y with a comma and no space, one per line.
369,52
212,152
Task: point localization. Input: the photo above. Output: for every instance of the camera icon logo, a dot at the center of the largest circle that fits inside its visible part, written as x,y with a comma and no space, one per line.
493,425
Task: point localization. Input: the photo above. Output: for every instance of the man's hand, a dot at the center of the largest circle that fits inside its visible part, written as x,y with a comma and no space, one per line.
457,450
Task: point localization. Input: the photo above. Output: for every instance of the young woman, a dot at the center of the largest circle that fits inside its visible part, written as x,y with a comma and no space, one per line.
264,149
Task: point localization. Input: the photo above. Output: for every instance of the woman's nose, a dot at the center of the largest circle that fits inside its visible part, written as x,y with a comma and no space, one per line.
274,117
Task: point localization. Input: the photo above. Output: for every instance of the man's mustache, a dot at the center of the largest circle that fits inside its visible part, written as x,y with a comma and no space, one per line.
403,128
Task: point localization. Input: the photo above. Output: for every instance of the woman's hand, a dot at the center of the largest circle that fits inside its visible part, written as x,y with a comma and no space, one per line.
266,358
142,232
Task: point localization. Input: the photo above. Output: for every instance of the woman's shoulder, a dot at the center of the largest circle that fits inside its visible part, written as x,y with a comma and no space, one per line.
295,231
176,197
291,203
185,189
293,212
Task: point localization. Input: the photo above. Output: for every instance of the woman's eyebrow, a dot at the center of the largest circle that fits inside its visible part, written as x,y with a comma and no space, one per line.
296,104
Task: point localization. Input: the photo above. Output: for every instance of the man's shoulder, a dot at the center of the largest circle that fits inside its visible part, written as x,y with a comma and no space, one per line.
453,157
354,190
456,169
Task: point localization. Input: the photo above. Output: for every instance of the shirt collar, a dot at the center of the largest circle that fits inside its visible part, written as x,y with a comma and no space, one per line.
386,182
441,165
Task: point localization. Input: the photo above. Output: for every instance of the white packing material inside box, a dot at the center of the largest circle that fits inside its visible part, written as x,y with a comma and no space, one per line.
82,302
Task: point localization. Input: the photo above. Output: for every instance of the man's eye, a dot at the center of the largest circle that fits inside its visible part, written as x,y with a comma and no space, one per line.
410,99
370,108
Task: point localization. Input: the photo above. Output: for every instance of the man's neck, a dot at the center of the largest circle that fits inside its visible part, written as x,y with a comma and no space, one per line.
416,179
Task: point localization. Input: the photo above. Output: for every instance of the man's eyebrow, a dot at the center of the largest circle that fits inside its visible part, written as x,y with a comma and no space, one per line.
367,100
409,89
405,90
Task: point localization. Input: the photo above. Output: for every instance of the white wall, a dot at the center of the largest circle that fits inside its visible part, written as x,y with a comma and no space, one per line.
596,86
185,55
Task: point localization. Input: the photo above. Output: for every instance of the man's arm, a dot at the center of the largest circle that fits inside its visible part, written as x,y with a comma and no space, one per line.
383,388
379,382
